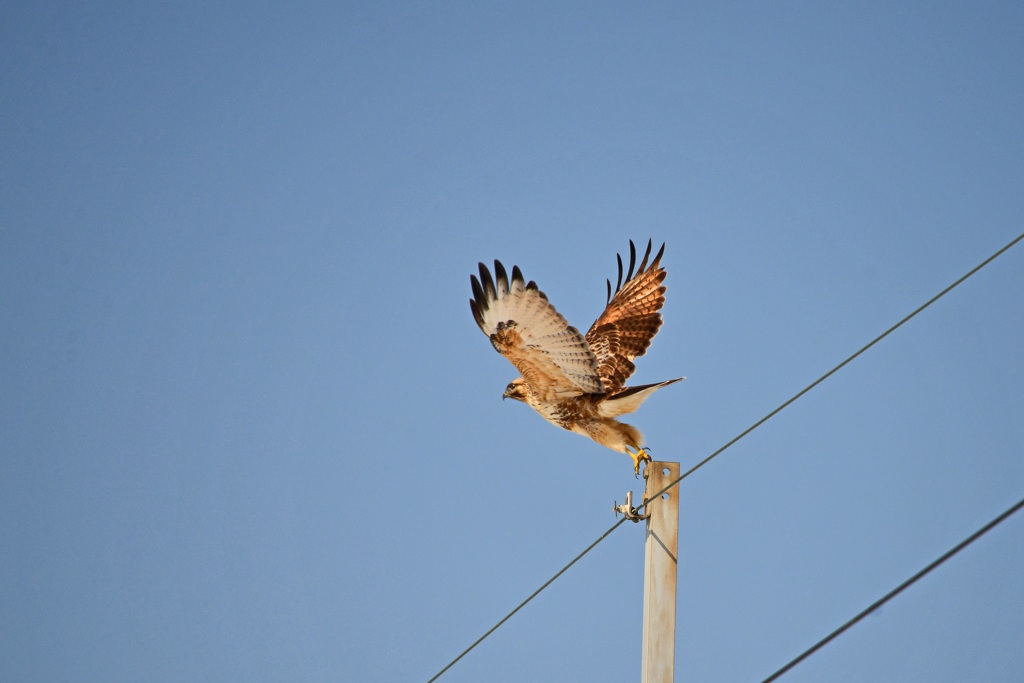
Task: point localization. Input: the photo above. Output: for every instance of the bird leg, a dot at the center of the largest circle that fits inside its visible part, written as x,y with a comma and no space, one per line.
641,456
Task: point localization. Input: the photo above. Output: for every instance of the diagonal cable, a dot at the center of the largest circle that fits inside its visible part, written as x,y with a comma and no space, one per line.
896,591
532,596
834,370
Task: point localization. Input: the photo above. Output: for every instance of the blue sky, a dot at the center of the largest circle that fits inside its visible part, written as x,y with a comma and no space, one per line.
249,430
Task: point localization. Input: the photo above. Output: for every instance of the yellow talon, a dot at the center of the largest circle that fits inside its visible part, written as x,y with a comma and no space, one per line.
640,456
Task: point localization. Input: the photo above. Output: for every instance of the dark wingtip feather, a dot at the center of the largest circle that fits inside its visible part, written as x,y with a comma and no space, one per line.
618,284
477,316
657,259
478,292
632,260
608,297
517,275
487,283
643,263
478,304
501,277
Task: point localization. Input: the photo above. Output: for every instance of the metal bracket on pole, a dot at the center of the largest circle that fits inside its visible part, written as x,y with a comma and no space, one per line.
660,572
628,511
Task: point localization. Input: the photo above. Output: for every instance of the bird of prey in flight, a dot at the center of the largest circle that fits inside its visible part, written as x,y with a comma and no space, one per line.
577,381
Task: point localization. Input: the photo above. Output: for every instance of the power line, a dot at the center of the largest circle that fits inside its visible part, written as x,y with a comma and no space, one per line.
706,460
836,369
532,596
896,591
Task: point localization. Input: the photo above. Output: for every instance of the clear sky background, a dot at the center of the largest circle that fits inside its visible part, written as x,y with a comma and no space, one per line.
250,431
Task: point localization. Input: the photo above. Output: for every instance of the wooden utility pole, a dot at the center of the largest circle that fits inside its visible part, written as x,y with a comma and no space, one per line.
660,570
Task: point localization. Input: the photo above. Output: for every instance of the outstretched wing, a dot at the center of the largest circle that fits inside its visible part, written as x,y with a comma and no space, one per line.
552,356
630,319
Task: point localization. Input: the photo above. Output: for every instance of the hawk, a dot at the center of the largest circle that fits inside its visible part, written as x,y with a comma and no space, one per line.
577,381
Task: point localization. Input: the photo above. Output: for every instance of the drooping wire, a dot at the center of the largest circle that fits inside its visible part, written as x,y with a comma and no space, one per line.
834,370
896,591
532,596
744,433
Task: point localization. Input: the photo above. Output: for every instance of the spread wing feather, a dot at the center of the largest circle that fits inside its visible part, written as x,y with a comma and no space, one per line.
630,319
552,356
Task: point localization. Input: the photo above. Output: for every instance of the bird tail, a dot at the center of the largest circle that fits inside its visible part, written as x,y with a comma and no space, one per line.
630,398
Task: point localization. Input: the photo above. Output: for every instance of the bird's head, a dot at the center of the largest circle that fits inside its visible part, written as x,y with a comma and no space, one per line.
516,389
